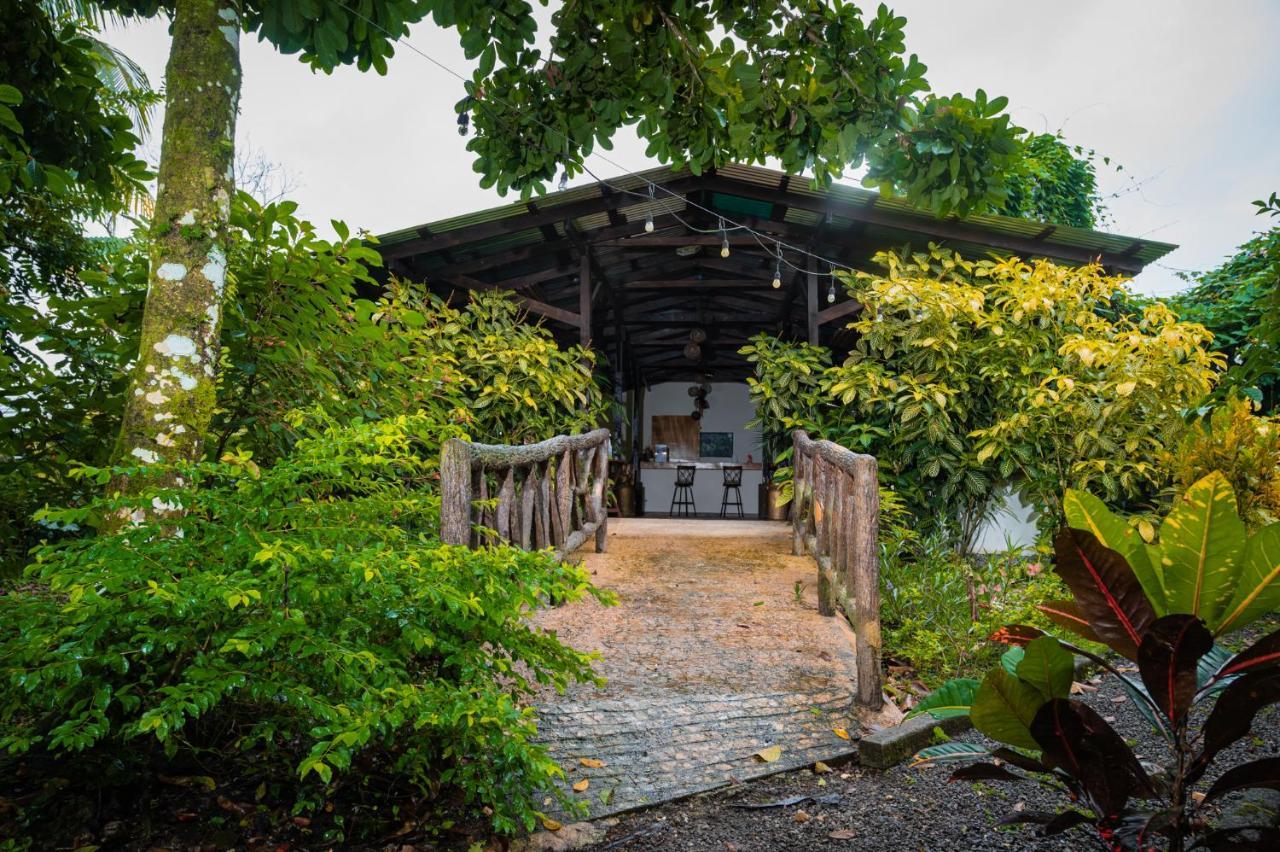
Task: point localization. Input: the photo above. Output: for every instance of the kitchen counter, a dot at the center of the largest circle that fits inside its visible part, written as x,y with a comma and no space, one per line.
700,465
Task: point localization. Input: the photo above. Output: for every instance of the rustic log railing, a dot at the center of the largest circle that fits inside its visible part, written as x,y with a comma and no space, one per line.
550,494
835,516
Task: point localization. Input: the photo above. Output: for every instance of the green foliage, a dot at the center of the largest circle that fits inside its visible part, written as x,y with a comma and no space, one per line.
1202,563
1005,371
1028,705
60,127
1056,183
331,626
1239,302
939,608
971,374
821,87
296,337
1245,448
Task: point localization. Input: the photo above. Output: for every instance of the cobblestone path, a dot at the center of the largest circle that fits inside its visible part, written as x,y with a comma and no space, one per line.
714,652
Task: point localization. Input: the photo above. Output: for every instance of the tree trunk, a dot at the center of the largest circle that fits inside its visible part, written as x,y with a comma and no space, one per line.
172,393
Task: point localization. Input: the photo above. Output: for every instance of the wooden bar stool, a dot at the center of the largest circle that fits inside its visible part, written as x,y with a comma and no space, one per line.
682,496
732,482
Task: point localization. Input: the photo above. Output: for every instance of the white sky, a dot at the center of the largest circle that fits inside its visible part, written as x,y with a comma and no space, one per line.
1186,95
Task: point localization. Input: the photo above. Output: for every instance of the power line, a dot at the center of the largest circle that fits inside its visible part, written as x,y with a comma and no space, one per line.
726,223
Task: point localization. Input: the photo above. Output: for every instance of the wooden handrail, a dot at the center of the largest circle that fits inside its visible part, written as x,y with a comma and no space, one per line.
835,517
549,494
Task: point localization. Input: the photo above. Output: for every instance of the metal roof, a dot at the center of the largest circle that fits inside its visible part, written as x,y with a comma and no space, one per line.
1048,236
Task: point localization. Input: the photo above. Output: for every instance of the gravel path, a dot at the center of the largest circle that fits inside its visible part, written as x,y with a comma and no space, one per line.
901,809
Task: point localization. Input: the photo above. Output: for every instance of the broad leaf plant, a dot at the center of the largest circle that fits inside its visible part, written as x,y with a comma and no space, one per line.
1163,606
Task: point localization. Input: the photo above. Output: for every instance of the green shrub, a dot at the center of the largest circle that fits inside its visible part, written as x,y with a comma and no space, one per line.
305,612
1245,448
939,608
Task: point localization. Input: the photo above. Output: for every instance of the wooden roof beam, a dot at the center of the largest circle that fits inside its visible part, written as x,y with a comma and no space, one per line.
533,306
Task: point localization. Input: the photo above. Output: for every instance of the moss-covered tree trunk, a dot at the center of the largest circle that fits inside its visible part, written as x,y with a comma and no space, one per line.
171,397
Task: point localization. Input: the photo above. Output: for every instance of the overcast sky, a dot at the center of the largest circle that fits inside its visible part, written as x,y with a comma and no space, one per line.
1186,95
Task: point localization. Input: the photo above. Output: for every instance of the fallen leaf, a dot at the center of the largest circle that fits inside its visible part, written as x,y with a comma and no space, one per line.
1020,807
202,781
768,755
1119,699
591,762
231,807
820,768
841,733
842,834
801,816
606,795
1198,798
551,825
301,821
582,785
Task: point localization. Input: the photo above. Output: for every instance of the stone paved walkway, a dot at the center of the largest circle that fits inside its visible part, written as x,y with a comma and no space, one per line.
715,651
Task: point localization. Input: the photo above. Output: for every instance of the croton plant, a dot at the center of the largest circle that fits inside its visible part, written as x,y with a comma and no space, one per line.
1163,605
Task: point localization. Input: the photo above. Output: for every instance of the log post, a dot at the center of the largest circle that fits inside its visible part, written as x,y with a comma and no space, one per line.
865,569
455,493
797,496
600,497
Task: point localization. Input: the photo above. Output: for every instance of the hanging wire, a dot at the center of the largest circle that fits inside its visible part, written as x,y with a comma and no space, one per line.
726,224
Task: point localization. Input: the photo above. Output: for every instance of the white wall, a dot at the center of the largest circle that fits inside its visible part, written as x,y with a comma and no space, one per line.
1016,521
730,411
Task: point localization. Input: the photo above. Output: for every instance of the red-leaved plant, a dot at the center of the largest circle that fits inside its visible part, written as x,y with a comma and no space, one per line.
1160,606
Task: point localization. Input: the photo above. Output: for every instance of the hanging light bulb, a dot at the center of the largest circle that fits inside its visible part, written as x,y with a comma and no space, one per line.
648,213
777,271
831,291
564,180
724,240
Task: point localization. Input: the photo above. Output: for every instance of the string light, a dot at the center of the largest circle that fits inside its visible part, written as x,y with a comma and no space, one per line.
777,271
831,291
648,213
724,242
564,179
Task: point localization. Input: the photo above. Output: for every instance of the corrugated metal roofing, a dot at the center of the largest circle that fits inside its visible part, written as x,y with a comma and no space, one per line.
1143,251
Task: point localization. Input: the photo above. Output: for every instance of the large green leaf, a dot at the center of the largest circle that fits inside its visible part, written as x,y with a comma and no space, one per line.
1004,708
953,698
1048,667
950,753
1202,548
1088,513
1257,590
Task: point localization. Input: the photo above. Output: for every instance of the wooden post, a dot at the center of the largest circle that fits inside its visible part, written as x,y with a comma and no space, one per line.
865,569
600,496
455,493
797,497
811,290
584,300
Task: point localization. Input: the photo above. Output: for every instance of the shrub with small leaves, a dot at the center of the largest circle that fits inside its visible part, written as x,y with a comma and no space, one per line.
305,611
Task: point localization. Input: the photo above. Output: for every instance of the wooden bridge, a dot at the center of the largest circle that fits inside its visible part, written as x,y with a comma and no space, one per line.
729,656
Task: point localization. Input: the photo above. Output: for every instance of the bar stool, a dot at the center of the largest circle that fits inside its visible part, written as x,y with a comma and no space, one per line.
682,496
732,482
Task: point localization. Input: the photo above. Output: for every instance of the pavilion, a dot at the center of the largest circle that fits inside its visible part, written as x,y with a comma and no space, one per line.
639,274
